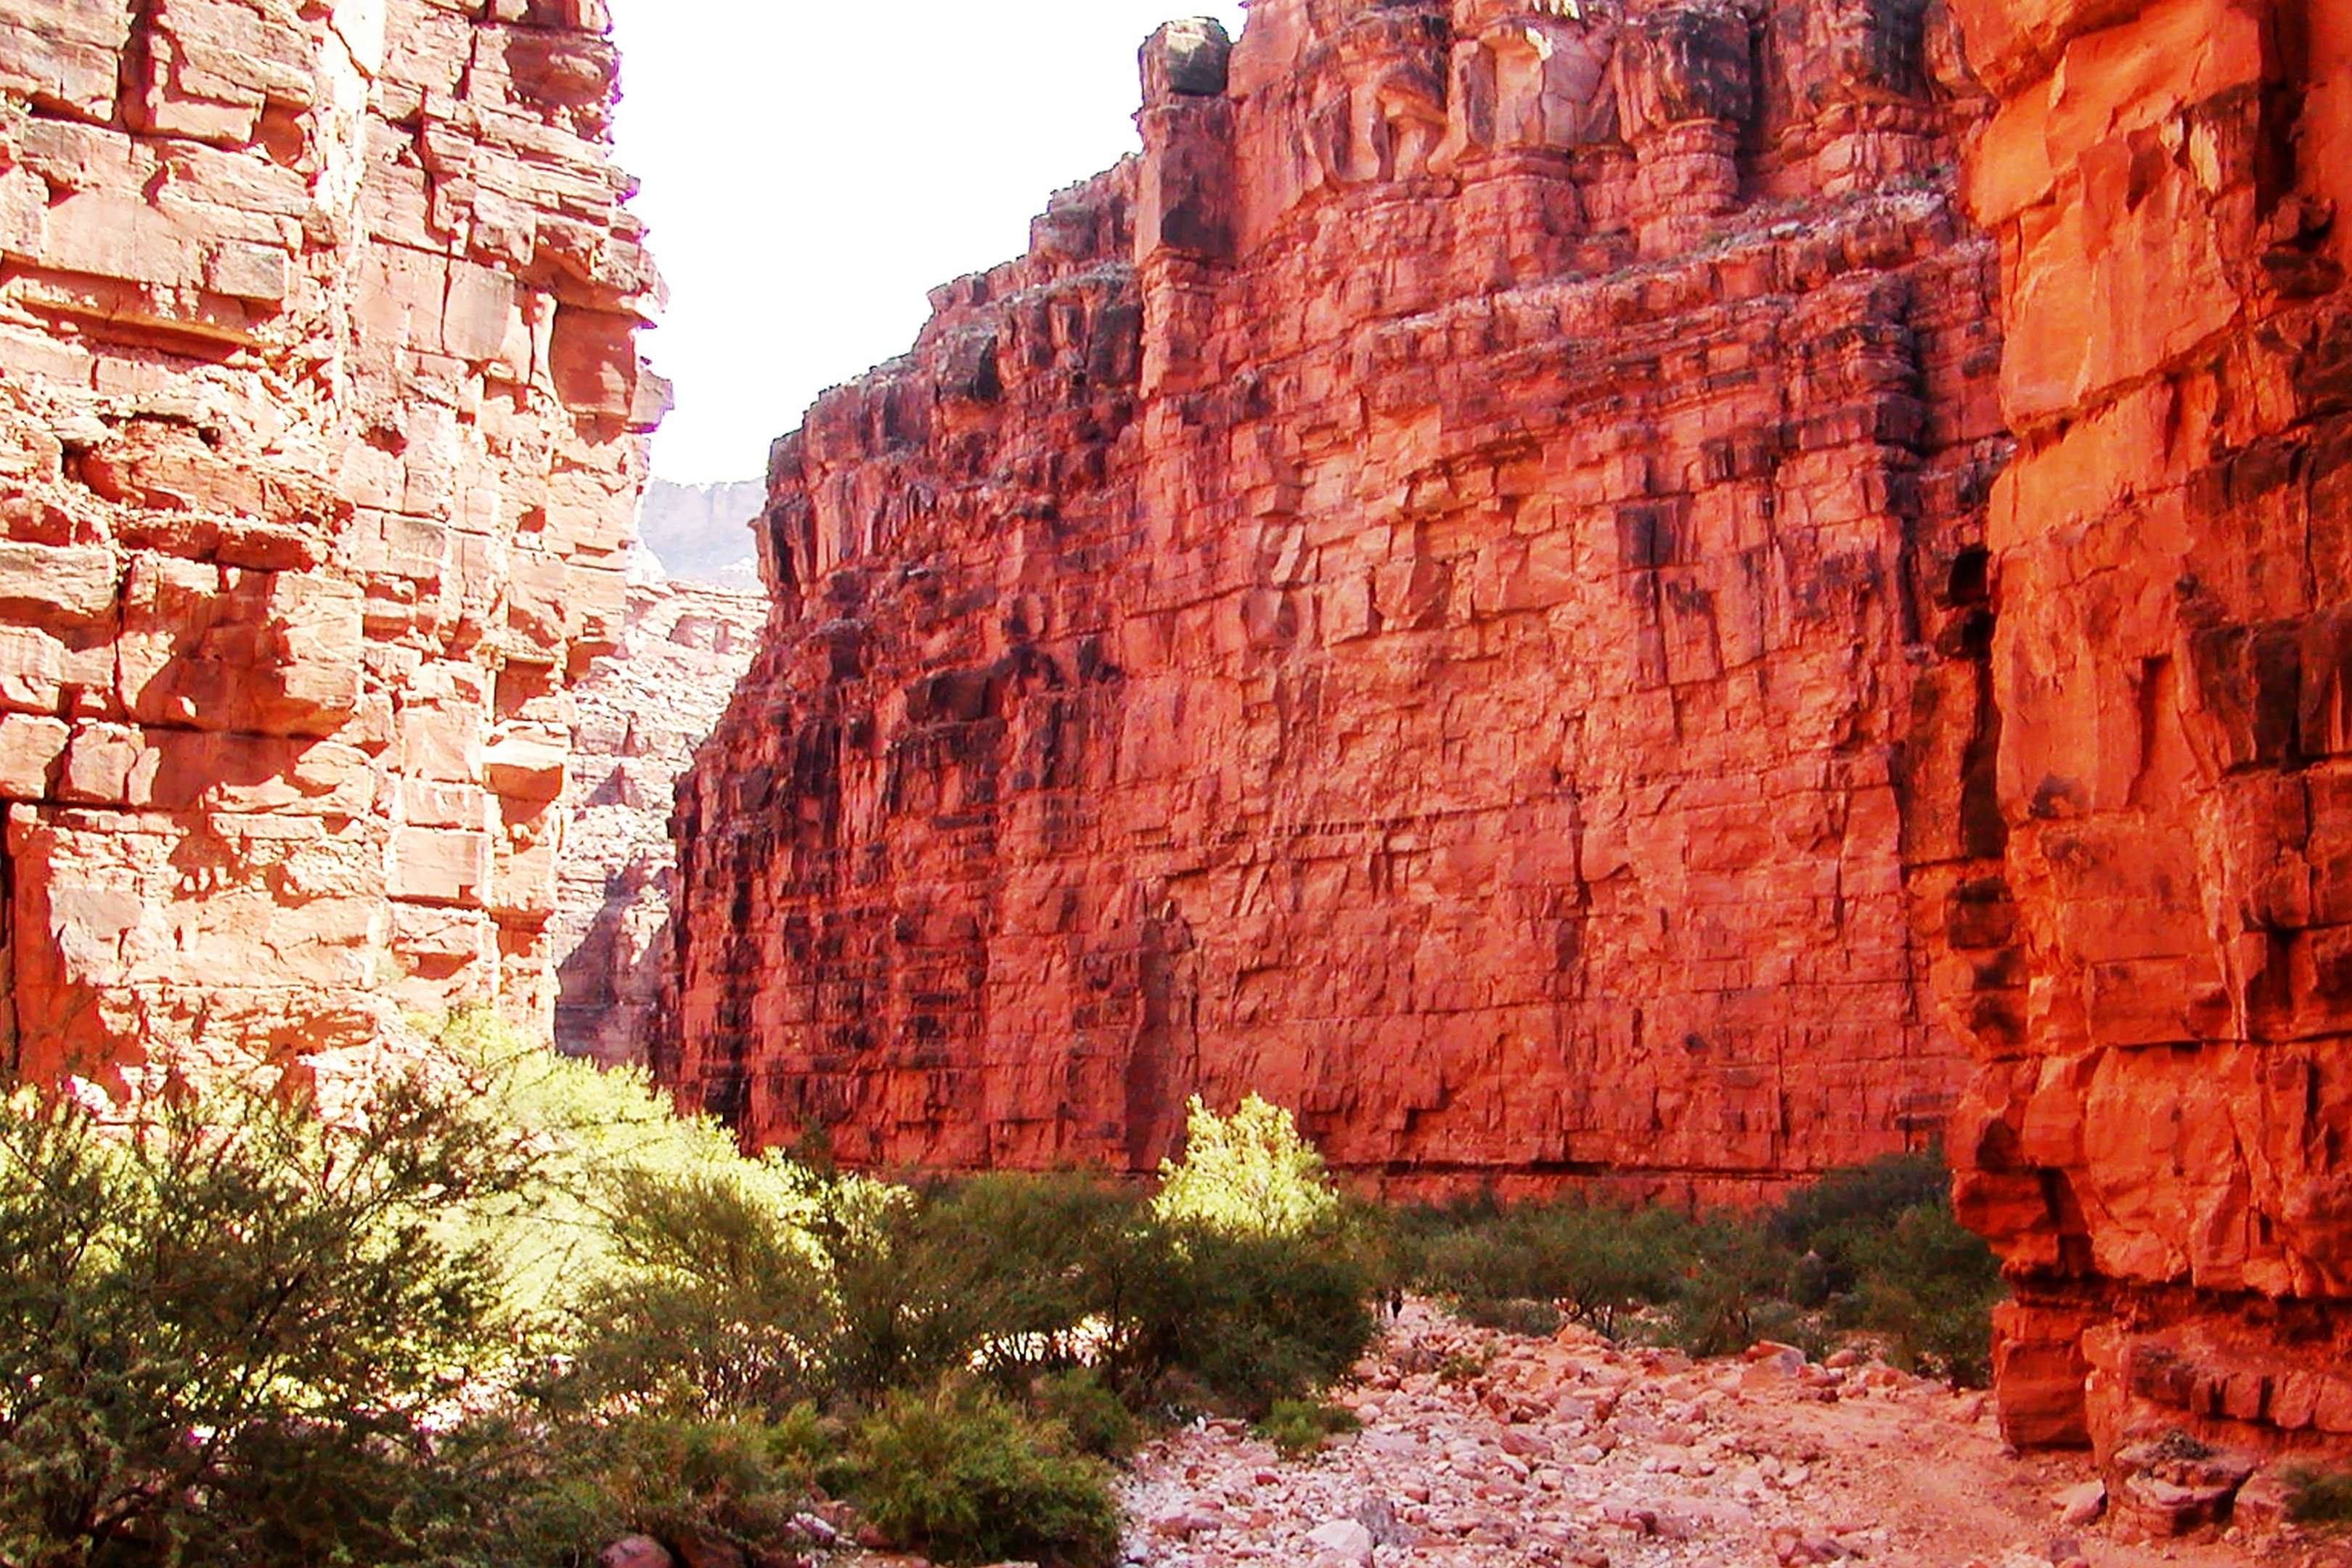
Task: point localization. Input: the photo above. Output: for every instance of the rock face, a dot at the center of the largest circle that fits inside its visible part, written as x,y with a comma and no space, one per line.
320,428
2157,971
642,711
1449,593
702,534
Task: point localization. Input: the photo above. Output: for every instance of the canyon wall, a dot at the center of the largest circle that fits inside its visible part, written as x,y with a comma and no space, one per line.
642,710
321,424
2158,974
702,534
1449,593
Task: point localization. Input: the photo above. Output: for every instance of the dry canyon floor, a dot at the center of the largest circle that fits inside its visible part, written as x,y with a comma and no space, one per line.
1489,1450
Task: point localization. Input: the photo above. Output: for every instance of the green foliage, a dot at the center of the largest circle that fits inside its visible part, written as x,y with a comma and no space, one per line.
1727,1274
964,1477
232,1331
1300,1426
2320,1497
1825,1223
712,1304
594,1130
672,1479
1873,1249
1597,1262
1248,1175
1080,1402
1246,1319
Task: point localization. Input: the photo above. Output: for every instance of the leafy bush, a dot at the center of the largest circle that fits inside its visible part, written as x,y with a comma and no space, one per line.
1300,1426
231,1330
965,1477
1732,1274
1097,1423
711,1305
1825,1223
1871,1248
2318,1496
1248,1175
1045,1265
677,1480
594,1132
1595,1261
1247,1319
1930,1284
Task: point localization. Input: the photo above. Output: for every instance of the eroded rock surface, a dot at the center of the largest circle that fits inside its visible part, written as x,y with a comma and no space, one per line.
320,430
1448,592
642,710
702,534
2156,969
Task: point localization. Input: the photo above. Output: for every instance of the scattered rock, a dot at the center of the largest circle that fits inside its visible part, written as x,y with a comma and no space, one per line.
1343,1538
2081,1505
635,1551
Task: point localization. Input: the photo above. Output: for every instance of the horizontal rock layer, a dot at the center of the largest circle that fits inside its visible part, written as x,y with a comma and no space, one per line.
642,710
2158,978
1449,592
320,428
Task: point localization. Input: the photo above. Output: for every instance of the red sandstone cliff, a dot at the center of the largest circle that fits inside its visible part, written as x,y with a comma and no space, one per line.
1449,592
641,712
320,428
2158,974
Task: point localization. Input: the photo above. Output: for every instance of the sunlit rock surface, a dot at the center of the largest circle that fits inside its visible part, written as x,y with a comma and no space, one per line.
320,430
1449,592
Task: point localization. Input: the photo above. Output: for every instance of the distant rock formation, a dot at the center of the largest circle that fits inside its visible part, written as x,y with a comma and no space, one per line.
322,425
702,534
1448,592
642,711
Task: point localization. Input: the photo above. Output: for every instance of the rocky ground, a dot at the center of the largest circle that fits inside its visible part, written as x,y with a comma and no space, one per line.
1480,1450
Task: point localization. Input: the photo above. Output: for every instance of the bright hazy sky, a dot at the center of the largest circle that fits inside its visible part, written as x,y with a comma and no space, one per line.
812,171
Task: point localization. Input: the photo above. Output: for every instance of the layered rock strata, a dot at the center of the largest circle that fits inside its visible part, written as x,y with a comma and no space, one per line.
642,710
320,428
2158,971
1449,592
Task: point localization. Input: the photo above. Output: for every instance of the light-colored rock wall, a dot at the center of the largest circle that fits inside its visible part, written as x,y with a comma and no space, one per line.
2158,976
321,424
643,709
1444,594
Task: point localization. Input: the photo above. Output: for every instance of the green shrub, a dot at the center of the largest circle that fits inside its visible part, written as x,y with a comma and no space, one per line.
1247,1319
1300,1426
1044,1264
1597,1262
960,1474
711,1305
594,1130
676,1480
1248,1175
1824,1224
232,1331
904,1314
1097,1423
1732,1273
1930,1284
2318,1496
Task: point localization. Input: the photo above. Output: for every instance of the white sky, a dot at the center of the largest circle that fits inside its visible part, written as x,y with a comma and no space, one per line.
811,171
